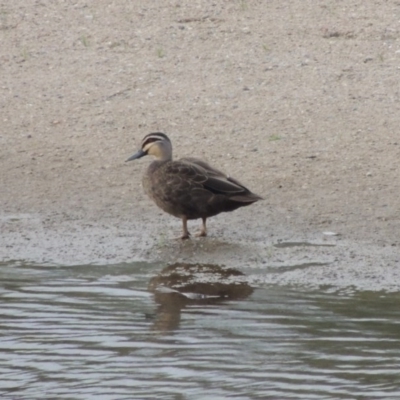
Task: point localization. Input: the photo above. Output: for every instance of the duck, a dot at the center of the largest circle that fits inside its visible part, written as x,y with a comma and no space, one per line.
188,188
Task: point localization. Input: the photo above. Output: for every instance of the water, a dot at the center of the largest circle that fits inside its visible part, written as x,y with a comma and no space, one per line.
96,332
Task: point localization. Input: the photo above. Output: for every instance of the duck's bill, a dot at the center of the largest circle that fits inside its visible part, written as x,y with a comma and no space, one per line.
137,155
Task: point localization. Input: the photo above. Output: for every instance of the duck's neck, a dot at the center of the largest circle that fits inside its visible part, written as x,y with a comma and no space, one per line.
164,157
156,164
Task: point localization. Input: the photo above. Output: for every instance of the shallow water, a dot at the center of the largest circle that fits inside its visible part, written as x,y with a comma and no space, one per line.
96,332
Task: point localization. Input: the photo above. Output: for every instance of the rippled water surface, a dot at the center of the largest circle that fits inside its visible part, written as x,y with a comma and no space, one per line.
96,332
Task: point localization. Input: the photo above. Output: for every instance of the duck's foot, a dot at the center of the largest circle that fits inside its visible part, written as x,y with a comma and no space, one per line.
184,236
203,231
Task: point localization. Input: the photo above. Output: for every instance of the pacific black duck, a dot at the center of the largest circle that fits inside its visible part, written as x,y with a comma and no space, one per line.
188,188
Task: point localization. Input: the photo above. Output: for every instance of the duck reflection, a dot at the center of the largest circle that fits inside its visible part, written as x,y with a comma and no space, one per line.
180,285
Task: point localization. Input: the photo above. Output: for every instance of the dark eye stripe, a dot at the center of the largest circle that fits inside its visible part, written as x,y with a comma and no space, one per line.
150,140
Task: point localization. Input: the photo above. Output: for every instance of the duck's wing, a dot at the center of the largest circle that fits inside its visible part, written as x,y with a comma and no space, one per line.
217,182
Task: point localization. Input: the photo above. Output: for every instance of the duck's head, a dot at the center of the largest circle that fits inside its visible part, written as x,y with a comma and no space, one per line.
155,144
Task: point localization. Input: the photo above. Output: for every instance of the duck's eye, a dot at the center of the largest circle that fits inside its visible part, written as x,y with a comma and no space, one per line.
149,141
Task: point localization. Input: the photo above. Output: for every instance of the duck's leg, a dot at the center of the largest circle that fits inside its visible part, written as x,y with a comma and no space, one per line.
203,231
186,234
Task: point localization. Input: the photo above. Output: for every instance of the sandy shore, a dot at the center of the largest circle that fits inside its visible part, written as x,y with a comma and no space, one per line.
299,102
